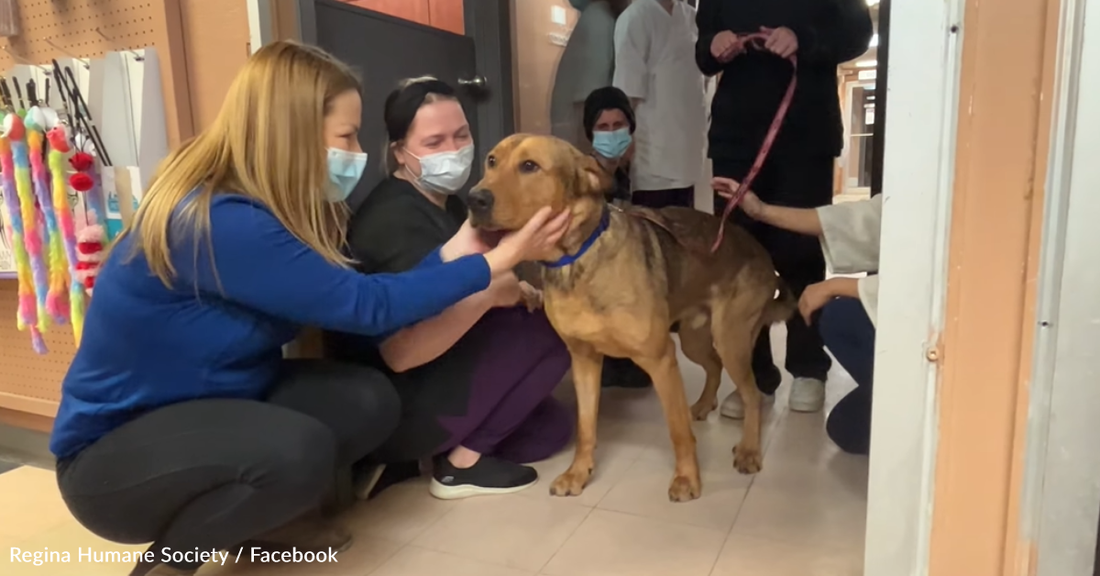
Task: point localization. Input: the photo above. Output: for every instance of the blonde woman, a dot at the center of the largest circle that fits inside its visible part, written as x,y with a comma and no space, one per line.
180,423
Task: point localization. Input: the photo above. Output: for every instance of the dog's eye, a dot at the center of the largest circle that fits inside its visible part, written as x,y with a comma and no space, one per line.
491,161
528,167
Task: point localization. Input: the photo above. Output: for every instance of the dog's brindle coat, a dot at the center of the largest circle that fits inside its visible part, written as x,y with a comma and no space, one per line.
648,270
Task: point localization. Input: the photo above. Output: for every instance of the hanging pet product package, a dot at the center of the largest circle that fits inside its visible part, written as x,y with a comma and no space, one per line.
9,18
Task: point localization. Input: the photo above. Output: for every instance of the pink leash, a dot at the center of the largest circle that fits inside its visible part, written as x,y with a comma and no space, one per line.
757,41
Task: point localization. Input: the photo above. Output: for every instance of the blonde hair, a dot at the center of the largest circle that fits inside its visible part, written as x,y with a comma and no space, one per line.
267,143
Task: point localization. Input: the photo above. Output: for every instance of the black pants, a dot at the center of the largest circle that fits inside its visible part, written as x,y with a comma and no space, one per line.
663,198
850,335
805,182
212,473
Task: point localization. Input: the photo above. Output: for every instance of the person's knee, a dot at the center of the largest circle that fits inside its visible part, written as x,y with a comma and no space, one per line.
852,437
376,400
302,458
835,321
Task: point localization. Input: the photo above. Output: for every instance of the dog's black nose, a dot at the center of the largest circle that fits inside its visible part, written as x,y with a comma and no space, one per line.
480,201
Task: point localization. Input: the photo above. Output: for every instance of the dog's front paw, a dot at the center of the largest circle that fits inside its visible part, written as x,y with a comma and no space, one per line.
701,409
685,488
531,296
747,460
571,483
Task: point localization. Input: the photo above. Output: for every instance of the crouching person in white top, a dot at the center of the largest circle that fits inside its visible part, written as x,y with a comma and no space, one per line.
843,309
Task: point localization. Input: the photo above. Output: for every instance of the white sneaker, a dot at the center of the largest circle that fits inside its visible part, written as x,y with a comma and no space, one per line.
733,408
807,395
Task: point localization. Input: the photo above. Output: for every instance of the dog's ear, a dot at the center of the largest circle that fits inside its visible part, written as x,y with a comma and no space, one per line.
592,179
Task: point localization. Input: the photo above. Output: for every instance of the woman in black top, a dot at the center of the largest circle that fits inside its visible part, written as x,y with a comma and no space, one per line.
799,169
475,381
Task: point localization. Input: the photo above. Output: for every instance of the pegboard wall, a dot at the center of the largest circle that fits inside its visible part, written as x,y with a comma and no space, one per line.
50,29
30,382
84,28
199,45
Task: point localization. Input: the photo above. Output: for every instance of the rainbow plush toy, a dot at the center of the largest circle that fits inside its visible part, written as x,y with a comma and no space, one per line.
32,235
57,269
27,315
59,149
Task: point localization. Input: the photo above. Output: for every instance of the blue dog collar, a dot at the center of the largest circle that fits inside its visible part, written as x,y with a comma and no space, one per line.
605,221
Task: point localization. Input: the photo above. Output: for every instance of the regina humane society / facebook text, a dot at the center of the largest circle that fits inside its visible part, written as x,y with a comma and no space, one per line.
255,555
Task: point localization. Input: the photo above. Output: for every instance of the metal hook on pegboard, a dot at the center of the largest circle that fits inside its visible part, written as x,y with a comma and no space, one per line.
83,61
137,56
21,60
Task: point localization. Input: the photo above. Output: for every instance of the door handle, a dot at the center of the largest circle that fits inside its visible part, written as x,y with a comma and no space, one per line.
478,82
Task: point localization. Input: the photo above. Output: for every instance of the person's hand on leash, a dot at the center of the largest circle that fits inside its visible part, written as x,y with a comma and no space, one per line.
725,46
537,240
750,203
781,41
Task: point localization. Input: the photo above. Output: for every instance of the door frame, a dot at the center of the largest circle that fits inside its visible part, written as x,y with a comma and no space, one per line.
918,181
489,24
1060,499
846,154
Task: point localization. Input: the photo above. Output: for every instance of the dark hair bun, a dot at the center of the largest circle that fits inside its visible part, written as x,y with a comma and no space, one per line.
403,103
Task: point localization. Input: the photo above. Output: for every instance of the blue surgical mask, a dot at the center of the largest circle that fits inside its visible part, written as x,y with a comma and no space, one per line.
446,172
612,145
344,171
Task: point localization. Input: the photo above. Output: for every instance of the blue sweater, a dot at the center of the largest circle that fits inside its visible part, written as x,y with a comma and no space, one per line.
146,346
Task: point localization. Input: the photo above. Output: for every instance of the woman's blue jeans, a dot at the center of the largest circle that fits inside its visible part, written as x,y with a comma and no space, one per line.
848,333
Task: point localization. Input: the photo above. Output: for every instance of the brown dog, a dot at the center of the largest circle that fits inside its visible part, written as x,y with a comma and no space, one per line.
623,280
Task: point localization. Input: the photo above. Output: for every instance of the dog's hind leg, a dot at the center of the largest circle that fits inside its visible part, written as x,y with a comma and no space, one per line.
587,366
698,345
665,372
734,336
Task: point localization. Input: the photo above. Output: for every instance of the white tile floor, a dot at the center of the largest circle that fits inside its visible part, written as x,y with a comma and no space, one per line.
802,516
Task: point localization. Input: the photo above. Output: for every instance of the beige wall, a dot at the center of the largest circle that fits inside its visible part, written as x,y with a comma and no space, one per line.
997,214
536,60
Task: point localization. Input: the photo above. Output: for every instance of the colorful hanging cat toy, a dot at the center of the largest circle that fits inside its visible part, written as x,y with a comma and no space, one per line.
58,137
51,271
34,235
26,313
89,248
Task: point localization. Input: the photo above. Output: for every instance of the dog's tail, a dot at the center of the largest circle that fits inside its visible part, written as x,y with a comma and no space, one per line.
782,307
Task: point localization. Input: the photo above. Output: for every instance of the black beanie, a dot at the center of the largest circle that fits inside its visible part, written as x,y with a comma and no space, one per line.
609,98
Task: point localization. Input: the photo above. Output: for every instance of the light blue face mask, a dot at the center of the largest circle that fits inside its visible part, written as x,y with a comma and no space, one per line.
344,171
580,4
612,145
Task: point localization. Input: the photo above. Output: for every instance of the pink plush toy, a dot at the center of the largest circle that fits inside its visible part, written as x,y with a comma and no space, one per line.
89,255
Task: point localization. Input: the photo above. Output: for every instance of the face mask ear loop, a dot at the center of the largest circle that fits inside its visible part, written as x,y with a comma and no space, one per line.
408,171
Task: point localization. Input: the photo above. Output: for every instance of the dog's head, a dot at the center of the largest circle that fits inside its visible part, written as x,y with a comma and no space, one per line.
525,173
